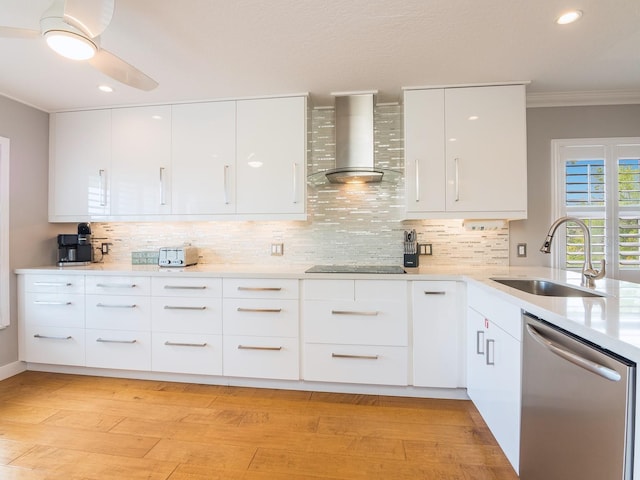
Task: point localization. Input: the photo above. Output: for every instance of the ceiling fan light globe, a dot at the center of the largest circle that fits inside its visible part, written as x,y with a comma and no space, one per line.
70,45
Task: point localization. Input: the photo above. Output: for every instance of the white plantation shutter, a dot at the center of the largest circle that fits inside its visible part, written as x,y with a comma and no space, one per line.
598,181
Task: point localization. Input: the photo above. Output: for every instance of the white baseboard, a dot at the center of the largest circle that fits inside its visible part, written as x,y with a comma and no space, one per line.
12,369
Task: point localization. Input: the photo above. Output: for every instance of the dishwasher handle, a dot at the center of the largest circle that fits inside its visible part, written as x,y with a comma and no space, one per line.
593,367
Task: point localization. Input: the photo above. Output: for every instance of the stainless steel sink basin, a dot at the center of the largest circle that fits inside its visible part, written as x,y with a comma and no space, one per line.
544,287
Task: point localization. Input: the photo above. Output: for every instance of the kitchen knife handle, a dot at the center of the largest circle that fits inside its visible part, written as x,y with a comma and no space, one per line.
417,180
226,184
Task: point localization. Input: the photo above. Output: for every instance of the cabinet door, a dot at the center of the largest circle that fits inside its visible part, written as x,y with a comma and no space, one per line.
485,131
271,156
141,147
203,146
424,150
437,334
80,160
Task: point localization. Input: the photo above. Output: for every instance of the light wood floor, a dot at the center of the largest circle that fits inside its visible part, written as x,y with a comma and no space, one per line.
69,427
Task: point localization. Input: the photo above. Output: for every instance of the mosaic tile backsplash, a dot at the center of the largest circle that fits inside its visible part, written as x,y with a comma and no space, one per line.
347,224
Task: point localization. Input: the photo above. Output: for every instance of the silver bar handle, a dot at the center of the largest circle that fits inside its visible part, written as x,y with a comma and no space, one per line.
491,352
116,285
417,180
363,357
178,307
180,344
103,189
259,289
107,340
49,337
479,342
107,305
185,287
254,347
260,310
52,284
351,312
41,302
426,292
456,163
162,189
574,358
225,177
295,182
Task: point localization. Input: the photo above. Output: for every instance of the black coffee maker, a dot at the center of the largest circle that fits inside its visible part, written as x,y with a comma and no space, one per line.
75,249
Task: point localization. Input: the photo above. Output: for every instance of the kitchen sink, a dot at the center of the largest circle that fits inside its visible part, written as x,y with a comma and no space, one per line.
544,287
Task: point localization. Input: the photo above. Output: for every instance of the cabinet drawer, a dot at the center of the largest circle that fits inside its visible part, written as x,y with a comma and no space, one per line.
329,289
186,287
355,290
54,309
192,314
261,357
186,353
118,313
118,285
356,364
504,314
54,283
261,317
260,288
357,323
60,346
128,350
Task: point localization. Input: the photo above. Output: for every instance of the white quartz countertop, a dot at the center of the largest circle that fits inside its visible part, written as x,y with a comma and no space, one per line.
611,321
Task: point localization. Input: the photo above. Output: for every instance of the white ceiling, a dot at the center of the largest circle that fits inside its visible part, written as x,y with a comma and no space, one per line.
213,49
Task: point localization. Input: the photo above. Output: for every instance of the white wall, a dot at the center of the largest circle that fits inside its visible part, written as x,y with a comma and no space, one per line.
544,125
32,238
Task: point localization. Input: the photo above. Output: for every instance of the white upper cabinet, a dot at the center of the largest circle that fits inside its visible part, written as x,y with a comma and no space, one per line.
271,156
80,165
465,152
203,151
141,160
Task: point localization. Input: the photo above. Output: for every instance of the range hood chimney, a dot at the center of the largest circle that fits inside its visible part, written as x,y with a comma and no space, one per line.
354,140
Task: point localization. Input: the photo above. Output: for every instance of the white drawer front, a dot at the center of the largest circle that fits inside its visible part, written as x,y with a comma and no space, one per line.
329,289
186,287
118,349
60,346
187,353
395,290
260,288
54,283
54,309
192,314
504,314
263,317
118,313
365,323
356,364
261,357
118,285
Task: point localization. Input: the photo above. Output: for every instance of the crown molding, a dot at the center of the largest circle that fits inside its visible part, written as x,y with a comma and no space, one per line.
572,99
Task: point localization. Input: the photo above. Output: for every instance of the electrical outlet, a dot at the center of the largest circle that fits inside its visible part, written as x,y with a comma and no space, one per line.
425,249
522,250
104,248
277,249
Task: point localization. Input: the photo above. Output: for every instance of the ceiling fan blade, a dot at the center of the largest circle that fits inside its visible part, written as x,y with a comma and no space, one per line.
12,32
121,71
89,16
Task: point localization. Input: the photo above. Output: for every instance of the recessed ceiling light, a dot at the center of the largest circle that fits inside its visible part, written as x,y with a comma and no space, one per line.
105,88
569,17
474,117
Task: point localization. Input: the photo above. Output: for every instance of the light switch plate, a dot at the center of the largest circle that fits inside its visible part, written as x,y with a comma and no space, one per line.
522,250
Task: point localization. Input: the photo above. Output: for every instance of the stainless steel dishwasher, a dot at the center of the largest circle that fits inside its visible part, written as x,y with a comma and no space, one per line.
577,407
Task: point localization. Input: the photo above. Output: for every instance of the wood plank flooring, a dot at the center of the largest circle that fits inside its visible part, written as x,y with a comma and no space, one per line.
71,427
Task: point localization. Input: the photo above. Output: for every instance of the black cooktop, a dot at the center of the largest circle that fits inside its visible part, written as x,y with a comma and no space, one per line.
356,269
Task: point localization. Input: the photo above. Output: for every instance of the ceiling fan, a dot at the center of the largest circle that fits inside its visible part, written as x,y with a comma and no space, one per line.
72,28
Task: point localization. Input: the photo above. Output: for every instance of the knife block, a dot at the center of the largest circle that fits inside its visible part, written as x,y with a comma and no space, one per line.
411,260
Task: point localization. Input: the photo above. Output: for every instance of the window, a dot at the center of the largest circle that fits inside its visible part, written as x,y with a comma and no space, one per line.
4,232
598,181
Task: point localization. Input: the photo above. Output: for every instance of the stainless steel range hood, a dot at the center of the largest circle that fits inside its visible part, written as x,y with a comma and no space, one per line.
354,142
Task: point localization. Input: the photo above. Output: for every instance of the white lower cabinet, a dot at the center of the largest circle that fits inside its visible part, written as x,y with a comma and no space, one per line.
438,326
356,331
260,328
494,362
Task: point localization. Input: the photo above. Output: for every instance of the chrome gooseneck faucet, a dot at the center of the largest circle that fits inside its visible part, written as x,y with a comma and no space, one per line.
589,274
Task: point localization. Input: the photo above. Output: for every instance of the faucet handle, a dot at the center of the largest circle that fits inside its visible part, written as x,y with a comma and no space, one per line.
593,274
